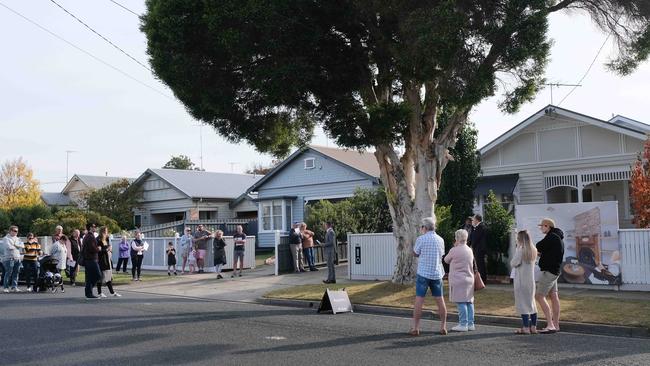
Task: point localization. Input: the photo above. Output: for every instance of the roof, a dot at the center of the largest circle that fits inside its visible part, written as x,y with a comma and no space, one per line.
201,184
94,181
630,123
56,199
552,110
499,184
363,162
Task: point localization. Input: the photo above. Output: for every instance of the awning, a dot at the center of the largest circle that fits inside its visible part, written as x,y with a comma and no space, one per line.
499,184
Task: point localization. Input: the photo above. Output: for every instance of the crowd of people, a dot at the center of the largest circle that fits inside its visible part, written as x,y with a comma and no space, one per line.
301,245
465,264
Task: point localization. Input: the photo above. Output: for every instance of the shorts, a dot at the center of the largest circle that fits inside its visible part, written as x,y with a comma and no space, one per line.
423,283
201,253
546,283
238,254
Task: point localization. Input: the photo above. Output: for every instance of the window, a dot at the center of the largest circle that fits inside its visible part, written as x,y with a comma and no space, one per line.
276,215
137,220
310,163
207,215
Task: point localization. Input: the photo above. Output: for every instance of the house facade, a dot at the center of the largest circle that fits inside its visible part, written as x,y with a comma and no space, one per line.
75,189
560,156
169,195
309,175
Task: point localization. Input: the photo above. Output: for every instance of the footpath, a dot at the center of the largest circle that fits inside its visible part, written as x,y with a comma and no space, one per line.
256,283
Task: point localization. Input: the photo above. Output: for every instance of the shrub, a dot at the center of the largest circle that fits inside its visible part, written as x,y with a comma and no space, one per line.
72,219
499,224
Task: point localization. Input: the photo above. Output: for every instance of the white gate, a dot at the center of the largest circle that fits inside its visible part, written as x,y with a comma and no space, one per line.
635,256
371,256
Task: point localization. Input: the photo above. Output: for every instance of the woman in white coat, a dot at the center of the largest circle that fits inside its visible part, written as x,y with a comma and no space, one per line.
523,263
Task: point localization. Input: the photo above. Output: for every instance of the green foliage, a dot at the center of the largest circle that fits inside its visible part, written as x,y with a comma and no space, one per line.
499,224
365,212
444,225
115,201
460,177
5,221
182,162
72,219
24,216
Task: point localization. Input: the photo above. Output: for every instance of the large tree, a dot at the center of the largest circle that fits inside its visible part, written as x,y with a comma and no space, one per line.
640,187
115,201
18,187
182,162
374,74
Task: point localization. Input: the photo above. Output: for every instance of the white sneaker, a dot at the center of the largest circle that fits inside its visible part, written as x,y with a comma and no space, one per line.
471,328
116,294
16,289
102,295
29,289
459,328
5,290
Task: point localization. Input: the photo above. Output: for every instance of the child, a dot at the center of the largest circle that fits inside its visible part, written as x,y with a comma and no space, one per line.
171,258
523,262
191,260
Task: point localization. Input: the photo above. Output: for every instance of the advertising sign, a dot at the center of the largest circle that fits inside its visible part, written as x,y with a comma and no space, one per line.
591,248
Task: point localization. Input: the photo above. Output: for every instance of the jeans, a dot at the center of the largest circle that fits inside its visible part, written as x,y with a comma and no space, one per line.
31,272
465,314
308,253
93,275
529,320
12,267
136,265
122,262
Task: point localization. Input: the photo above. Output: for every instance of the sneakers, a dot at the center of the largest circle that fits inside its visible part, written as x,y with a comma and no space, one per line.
471,328
16,289
175,274
231,276
219,276
460,328
29,289
103,296
115,294
239,274
5,290
169,273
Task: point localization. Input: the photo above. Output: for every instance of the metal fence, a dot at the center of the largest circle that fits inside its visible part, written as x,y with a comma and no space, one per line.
284,260
229,227
156,257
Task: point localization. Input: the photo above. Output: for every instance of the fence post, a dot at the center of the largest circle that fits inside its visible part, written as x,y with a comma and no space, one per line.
277,257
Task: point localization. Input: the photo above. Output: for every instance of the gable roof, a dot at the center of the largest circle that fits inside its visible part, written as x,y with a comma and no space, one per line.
364,163
93,181
56,199
630,123
201,184
551,110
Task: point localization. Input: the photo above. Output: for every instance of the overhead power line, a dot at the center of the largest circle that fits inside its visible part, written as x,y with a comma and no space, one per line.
100,36
586,72
87,53
125,8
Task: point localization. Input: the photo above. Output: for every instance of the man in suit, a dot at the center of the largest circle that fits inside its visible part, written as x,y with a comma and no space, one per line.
330,252
478,242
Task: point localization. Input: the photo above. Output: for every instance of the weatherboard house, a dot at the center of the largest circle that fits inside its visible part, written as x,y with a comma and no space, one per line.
560,156
75,189
310,174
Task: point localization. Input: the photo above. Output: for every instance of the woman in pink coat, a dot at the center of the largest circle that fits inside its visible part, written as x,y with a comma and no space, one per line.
461,281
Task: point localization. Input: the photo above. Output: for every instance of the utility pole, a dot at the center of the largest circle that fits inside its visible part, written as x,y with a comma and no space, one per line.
200,142
67,163
557,85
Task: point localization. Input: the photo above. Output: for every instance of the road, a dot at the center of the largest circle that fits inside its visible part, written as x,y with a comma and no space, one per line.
150,329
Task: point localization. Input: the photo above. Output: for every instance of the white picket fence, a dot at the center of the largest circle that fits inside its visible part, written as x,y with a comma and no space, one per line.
156,257
635,256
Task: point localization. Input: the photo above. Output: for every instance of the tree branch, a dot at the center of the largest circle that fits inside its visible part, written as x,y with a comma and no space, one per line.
561,5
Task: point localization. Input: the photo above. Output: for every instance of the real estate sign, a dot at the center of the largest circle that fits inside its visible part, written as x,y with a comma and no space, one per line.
591,247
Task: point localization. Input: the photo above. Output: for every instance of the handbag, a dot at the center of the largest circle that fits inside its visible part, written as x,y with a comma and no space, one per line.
478,281
80,260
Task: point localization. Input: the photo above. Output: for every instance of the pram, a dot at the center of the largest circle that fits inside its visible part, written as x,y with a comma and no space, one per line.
49,277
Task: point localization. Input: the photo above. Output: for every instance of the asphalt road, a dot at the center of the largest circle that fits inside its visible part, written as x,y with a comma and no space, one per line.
145,329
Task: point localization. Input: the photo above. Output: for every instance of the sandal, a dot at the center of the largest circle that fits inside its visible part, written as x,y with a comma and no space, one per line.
414,332
443,331
522,331
548,331
533,330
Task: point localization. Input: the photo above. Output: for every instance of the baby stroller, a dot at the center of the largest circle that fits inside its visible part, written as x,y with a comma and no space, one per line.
49,277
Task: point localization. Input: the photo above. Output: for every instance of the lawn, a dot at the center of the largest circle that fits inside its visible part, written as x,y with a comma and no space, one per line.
123,279
577,308
260,257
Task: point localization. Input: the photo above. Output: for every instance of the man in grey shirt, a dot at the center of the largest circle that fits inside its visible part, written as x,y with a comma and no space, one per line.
330,252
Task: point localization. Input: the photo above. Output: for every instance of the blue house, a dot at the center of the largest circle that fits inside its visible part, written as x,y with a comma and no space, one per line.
310,174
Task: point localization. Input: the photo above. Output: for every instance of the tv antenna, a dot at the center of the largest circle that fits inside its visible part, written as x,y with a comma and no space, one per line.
67,163
200,126
558,85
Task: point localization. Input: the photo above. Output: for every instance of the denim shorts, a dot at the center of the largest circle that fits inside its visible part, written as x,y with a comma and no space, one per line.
423,283
238,254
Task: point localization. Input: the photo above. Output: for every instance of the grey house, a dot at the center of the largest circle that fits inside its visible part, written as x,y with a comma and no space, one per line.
170,195
310,174
73,193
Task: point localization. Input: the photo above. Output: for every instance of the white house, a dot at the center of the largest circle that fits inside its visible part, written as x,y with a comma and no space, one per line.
560,156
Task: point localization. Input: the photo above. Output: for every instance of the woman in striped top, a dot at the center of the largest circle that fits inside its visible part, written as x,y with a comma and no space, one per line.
30,259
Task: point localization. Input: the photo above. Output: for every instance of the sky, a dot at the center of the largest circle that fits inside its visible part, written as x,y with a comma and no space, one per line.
55,98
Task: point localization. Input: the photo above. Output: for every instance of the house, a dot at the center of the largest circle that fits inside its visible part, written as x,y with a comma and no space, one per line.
169,195
73,193
310,174
561,156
